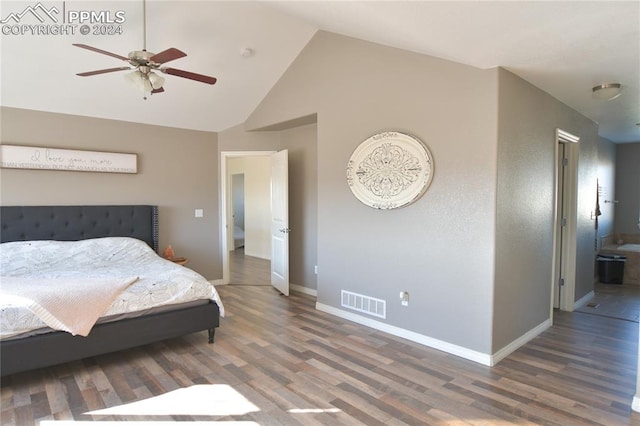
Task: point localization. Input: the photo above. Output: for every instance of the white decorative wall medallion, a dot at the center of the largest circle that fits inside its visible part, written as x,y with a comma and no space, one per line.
390,170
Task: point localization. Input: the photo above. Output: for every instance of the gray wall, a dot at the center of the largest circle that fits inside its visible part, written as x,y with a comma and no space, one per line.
177,170
439,249
475,252
607,183
586,246
303,203
628,188
527,122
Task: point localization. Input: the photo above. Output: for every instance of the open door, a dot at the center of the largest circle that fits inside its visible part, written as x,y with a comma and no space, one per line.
561,218
565,227
280,221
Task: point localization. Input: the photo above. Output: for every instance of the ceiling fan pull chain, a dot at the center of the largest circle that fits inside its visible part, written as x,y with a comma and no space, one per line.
144,25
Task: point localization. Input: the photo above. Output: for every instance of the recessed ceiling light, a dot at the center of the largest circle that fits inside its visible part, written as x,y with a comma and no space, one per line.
607,91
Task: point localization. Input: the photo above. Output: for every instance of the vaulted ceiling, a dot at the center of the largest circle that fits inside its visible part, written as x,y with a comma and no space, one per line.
564,48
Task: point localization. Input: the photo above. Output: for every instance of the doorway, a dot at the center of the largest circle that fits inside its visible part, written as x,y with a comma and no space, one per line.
237,209
244,269
565,232
248,185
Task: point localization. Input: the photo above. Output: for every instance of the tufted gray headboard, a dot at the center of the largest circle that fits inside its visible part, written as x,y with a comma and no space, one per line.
70,223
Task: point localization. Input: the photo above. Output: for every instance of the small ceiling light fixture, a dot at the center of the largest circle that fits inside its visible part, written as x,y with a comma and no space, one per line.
607,91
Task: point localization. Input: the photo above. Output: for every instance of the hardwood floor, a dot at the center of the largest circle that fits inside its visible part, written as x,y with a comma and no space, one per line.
278,361
615,301
248,270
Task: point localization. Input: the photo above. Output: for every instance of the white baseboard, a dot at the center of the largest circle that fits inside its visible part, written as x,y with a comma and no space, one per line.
520,341
303,289
583,300
479,357
460,351
217,282
635,405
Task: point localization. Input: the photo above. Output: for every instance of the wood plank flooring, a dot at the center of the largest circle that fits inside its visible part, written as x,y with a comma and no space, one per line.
615,301
278,361
248,270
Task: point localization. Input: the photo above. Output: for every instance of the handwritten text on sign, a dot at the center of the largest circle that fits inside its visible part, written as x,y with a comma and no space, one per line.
30,157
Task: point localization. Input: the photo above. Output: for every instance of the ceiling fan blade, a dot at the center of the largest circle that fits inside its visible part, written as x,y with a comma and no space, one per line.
158,90
170,54
89,73
104,52
189,75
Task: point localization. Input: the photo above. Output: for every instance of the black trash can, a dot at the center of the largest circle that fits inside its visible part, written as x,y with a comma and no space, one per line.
611,268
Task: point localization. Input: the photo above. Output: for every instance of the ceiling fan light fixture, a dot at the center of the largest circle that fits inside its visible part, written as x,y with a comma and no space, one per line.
135,79
155,80
139,81
606,91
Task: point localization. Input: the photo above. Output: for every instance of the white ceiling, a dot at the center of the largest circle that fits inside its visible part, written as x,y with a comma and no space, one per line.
564,48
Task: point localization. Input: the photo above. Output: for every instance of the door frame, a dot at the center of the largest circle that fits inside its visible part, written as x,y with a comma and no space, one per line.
225,194
569,249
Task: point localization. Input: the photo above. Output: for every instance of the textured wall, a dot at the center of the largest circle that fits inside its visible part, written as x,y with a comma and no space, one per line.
439,249
607,183
177,170
303,203
528,119
628,188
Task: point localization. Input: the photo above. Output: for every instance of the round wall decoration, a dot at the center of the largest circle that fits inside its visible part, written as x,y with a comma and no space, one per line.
390,170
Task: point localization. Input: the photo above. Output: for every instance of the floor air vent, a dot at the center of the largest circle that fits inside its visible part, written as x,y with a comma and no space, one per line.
365,304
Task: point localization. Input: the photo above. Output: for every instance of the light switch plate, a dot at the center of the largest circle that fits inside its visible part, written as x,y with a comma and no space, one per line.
199,213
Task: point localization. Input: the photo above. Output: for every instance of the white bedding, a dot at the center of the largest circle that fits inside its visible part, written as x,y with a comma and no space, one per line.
629,247
160,282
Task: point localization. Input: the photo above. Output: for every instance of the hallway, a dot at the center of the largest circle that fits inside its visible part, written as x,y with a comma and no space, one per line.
248,270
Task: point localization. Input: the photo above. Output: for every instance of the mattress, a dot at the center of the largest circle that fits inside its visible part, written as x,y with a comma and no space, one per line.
160,284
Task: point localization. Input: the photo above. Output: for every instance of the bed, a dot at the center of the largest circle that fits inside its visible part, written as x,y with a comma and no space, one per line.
133,230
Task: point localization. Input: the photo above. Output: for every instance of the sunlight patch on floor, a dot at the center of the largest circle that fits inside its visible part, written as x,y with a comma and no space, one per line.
141,423
217,400
197,400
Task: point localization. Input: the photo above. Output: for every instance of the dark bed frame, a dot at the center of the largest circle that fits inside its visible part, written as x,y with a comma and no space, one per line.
71,223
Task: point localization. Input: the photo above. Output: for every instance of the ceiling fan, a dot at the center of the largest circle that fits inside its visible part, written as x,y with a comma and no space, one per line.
144,63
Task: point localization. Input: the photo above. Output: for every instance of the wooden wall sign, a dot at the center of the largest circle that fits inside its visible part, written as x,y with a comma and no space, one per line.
31,157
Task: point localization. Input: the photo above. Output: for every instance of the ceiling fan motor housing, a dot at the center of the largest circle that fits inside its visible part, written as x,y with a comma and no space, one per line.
142,58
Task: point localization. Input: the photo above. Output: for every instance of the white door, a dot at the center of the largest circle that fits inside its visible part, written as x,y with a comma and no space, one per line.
280,221
566,240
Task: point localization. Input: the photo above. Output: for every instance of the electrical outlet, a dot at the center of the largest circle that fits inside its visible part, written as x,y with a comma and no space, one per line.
404,298
315,269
